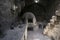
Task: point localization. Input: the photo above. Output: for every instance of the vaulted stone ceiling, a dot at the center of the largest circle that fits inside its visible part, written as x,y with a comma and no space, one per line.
43,9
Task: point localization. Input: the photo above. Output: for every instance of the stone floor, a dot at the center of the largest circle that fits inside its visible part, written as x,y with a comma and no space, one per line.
37,35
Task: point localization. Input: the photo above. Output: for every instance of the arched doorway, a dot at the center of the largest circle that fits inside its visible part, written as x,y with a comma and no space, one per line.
30,20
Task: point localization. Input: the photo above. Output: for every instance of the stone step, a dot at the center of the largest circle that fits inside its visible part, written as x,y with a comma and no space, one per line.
57,26
56,22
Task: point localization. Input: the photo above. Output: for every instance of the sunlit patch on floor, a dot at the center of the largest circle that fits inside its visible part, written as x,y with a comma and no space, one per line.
36,39
37,35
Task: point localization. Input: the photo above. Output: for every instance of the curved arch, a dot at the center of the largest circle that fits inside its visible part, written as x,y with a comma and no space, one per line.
29,15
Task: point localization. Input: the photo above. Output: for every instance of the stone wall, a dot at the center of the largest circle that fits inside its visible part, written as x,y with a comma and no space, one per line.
58,9
6,15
